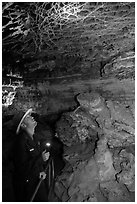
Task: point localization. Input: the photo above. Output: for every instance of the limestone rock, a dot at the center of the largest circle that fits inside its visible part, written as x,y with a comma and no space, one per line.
59,189
80,151
124,162
66,133
107,174
83,115
85,181
120,114
119,138
88,100
104,161
81,184
115,192
122,67
63,182
126,128
73,128
96,106
132,108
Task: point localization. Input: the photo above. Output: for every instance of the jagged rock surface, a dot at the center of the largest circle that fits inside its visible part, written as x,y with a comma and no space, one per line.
108,172
95,51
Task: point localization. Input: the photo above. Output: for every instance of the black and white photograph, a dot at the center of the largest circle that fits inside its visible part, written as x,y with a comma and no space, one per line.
68,101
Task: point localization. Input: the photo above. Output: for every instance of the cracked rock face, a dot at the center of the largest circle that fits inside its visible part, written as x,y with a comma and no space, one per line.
102,158
75,127
83,177
115,192
93,50
124,163
122,67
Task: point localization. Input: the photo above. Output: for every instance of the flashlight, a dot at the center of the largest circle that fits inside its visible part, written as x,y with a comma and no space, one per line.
48,144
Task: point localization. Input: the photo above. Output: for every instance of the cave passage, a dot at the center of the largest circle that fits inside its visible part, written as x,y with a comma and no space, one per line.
68,72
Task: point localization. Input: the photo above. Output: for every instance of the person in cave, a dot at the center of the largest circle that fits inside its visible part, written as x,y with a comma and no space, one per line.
46,136
29,158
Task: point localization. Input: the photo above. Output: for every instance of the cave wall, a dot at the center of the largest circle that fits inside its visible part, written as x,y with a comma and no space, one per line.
93,54
93,50
99,139
57,94
62,97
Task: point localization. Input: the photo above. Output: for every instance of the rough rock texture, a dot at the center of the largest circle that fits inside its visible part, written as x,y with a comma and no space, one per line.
74,37
92,49
104,160
79,133
115,192
79,47
121,67
121,114
60,95
124,163
80,128
116,121
108,172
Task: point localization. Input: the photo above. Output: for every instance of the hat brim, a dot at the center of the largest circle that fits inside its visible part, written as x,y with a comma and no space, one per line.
28,111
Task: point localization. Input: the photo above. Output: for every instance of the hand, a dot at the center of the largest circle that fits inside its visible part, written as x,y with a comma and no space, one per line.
42,175
45,155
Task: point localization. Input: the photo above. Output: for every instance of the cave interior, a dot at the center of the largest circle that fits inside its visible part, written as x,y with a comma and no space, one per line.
73,63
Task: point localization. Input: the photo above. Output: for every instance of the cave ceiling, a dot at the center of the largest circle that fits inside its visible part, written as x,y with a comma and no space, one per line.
65,36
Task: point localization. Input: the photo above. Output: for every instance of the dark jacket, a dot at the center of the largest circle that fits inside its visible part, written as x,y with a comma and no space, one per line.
56,152
45,134
28,164
22,162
